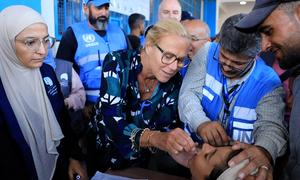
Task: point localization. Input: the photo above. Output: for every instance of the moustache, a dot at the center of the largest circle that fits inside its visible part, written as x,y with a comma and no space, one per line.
102,18
231,73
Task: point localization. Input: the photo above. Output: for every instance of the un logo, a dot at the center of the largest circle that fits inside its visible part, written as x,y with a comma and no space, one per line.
64,76
48,81
88,38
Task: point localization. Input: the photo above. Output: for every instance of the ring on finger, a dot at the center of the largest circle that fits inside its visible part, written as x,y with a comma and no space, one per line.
264,167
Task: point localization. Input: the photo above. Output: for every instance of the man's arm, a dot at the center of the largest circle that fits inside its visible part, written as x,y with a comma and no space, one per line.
270,137
269,131
189,105
190,108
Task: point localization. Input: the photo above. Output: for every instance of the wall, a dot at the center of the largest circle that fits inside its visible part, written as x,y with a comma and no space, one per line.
210,15
47,8
34,4
132,6
226,9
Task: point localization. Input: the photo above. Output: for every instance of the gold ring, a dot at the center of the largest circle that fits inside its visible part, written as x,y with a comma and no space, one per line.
264,167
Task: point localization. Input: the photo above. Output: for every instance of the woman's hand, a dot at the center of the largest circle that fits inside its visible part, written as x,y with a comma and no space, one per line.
183,157
76,168
173,142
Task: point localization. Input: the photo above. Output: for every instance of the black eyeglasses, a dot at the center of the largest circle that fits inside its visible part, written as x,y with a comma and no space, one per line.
238,70
169,58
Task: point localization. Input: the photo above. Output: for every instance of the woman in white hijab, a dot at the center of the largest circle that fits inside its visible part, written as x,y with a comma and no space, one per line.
35,136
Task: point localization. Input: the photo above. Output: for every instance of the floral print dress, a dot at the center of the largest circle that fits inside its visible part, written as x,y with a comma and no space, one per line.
120,110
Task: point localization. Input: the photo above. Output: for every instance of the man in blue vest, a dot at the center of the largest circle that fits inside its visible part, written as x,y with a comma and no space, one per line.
230,94
86,43
279,25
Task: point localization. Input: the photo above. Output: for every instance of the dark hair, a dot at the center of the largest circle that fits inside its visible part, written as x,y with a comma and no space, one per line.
147,29
218,170
237,42
135,19
185,15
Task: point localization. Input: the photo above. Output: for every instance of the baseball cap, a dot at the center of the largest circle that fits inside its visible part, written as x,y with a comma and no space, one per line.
261,10
98,2
185,15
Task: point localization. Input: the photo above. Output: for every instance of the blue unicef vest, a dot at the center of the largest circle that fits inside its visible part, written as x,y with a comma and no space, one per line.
261,81
91,51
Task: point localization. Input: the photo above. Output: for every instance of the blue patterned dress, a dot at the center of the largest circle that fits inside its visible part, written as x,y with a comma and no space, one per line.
120,109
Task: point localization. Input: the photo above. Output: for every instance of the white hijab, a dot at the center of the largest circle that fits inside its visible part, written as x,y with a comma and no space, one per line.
26,93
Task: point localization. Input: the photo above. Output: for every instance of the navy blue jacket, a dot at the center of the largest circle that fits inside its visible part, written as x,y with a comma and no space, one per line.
15,154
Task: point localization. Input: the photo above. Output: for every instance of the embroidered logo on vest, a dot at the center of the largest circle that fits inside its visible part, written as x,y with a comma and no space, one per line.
64,79
89,39
50,87
48,81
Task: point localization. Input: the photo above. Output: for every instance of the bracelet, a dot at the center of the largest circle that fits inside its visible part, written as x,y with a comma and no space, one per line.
148,139
151,148
140,138
133,138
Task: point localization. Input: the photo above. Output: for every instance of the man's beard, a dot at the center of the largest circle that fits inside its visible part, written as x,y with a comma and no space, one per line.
99,23
291,57
290,50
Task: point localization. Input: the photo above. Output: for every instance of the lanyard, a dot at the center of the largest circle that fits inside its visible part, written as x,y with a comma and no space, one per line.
99,58
106,41
107,44
228,97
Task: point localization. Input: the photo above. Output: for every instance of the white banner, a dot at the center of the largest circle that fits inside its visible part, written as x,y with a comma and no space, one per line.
128,7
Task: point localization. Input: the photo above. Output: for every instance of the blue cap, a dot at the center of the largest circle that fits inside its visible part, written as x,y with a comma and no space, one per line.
261,10
98,2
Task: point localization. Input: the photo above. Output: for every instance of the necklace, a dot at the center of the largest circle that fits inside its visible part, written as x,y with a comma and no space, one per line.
148,88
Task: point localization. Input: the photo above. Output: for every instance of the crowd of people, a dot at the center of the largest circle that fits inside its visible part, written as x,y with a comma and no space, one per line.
168,98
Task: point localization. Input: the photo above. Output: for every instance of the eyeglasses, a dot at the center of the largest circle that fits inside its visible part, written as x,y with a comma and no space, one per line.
238,70
168,58
34,44
196,38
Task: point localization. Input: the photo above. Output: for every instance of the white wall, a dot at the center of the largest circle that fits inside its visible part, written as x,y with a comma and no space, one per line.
228,8
131,6
47,9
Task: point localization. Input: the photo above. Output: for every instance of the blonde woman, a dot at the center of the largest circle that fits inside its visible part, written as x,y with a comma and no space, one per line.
137,108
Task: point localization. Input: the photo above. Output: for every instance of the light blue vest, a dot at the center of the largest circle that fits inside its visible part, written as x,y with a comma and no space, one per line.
261,81
91,51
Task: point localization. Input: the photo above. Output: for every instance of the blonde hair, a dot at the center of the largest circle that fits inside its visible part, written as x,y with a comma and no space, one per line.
165,27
